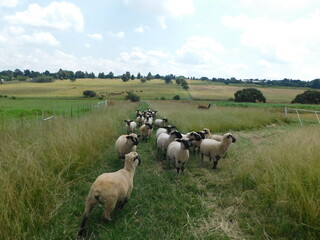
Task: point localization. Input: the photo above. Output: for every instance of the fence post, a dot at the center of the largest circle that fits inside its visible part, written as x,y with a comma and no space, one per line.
299,117
317,117
286,111
42,118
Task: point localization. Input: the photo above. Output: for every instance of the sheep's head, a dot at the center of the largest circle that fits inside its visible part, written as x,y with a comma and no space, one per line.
165,119
176,134
149,125
185,143
202,134
206,131
195,136
128,122
230,137
134,138
132,158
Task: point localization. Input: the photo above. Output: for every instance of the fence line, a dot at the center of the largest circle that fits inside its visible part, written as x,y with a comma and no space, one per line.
286,110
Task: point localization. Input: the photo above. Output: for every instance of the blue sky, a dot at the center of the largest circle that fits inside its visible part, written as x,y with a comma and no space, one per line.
269,39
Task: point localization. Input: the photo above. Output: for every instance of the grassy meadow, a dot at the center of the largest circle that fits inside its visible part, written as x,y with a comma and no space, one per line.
267,187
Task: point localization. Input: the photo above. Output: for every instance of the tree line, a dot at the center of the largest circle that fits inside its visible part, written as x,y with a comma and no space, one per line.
46,76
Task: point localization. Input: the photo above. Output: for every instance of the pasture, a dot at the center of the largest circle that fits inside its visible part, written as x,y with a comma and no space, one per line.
266,187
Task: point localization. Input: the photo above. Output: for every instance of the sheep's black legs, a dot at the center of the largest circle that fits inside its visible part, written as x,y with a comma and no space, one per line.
215,162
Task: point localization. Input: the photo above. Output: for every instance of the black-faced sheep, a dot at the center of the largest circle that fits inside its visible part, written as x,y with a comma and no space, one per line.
145,131
130,126
178,151
110,189
165,129
160,122
216,150
126,144
165,139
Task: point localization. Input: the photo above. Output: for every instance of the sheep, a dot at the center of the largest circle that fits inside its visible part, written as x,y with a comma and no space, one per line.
178,151
165,139
165,129
195,143
138,112
130,125
160,122
146,130
148,119
126,144
209,135
140,119
110,189
215,150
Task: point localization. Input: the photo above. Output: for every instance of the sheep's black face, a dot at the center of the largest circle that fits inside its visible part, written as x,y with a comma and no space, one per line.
135,140
186,144
137,158
176,134
232,138
149,125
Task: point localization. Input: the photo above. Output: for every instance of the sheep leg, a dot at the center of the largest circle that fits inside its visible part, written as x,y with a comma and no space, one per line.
215,162
90,202
108,208
178,169
122,203
201,159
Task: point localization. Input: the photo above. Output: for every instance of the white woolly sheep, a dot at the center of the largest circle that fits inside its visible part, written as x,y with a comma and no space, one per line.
209,135
146,130
195,143
165,139
126,144
131,126
178,151
160,122
216,150
165,129
110,189
140,119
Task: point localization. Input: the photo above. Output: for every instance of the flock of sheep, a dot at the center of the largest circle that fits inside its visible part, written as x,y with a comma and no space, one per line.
116,187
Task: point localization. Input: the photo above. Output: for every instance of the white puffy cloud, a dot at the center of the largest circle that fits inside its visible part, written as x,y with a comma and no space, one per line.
141,29
96,36
162,9
57,15
8,3
44,38
116,35
279,41
283,4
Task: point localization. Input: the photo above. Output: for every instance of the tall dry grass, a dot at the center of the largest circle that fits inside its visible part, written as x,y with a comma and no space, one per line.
39,165
281,179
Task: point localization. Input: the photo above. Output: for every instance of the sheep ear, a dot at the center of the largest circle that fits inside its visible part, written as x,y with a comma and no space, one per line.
139,136
129,137
178,140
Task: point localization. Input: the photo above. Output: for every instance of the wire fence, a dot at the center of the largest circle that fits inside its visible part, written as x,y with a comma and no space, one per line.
299,113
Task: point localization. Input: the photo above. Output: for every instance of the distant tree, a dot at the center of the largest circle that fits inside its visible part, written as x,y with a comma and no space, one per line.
315,83
204,79
149,77
27,73
132,77
110,75
132,97
139,75
168,79
128,75
79,74
89,93
249,95
143,80
101,75
17,73
125,78
157,76
176,97
42,79
308,97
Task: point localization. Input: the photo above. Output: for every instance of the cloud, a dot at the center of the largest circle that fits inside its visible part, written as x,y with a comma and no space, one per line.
276,4
44,38
163,9
141,29
116,35
8,3
278,41
57,15
96,36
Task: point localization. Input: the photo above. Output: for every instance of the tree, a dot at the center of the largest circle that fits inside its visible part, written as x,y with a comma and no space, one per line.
308,97
101,75
249,95
149,77
132,77
110,75
315,83
89,93
125,78
132,97
168,79
139,75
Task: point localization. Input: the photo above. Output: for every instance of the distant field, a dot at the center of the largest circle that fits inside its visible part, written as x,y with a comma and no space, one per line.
224,92
67,89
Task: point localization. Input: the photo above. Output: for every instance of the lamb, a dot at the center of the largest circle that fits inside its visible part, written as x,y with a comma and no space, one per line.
130,125
126,144
165,139
138,112
178,151
160,122
110,189
148,119
216,150
140,119
165,129
209,135
146,130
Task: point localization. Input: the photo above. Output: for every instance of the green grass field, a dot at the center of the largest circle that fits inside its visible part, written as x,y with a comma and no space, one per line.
266,187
